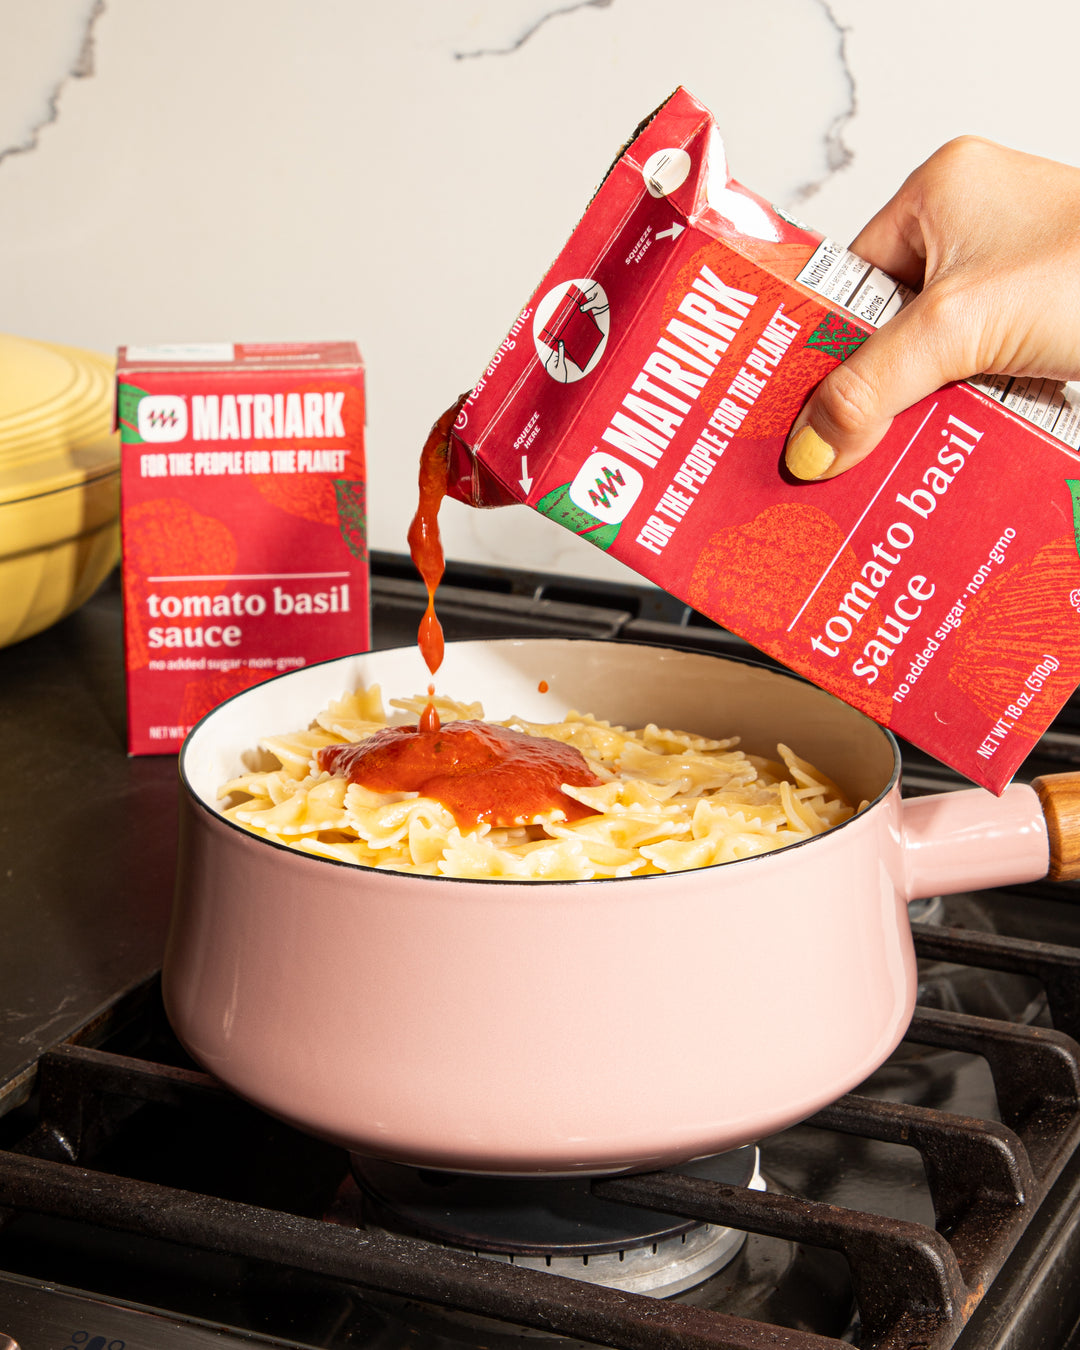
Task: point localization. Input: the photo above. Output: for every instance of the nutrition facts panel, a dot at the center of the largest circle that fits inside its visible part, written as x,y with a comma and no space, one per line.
839,275
1053,407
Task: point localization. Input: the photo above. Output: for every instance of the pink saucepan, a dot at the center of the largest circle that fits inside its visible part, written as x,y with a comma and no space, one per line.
570,1027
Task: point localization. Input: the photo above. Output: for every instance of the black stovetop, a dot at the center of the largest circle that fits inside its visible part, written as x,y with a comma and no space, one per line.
937,1207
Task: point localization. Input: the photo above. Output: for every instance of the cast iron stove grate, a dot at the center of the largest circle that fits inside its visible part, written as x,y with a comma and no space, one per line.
982,1258
916,1286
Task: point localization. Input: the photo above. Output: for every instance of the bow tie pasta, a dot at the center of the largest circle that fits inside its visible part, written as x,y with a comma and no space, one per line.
667,801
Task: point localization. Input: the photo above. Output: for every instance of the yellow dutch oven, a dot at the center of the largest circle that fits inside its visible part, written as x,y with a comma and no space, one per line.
59,482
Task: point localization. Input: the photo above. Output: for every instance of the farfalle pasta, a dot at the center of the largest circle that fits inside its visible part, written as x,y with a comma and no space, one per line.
667,801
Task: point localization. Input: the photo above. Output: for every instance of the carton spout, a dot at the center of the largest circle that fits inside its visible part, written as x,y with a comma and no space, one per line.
468,480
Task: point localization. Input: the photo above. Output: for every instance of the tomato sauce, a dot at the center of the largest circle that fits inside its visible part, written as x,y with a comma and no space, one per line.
482,774
425,542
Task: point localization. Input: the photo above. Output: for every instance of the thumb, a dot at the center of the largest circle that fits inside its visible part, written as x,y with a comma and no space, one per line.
912,356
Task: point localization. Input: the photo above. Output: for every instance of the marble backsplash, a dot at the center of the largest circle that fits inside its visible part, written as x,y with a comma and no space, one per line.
403,174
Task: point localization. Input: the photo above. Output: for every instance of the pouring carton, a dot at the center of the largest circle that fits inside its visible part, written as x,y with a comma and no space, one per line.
642,399
243,522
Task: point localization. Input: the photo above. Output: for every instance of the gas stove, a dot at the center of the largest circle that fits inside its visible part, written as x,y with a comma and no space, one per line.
143,1205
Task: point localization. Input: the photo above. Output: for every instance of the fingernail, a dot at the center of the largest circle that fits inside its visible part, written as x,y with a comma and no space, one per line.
807,455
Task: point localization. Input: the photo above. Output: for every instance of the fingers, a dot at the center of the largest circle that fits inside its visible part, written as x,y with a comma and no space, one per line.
911,234
912,356
893,241
594,302
557,365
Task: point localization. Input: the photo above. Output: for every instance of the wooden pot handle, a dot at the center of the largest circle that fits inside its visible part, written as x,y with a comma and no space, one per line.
1059,796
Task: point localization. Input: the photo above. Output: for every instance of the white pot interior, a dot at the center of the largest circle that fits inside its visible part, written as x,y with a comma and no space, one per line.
622,683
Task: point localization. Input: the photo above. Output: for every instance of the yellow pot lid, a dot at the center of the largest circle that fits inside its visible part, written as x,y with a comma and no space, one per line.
56,418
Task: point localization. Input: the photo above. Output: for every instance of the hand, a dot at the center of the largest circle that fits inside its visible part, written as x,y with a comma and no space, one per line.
595,302
992,237
560,367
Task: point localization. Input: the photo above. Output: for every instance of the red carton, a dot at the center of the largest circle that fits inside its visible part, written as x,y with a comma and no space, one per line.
243,522
936,586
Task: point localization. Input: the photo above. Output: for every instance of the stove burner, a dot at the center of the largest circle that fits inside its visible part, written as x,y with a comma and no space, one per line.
558,1224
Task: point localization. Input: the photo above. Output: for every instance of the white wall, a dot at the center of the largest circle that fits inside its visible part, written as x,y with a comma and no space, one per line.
403,173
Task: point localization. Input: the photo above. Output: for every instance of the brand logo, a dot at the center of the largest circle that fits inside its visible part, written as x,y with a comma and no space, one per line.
162,417
606,488
257,417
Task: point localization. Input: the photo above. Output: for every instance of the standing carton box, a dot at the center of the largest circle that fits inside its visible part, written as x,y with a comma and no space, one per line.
243,522
643,397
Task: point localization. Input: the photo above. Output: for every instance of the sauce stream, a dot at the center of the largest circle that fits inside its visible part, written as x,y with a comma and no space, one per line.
425,542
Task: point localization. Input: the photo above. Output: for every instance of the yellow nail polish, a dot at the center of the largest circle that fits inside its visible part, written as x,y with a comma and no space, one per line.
807,455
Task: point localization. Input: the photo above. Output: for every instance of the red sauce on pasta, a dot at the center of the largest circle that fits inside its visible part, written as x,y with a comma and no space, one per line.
482,774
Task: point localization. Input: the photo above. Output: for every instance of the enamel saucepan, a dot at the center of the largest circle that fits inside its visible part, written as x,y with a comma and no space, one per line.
571,1027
